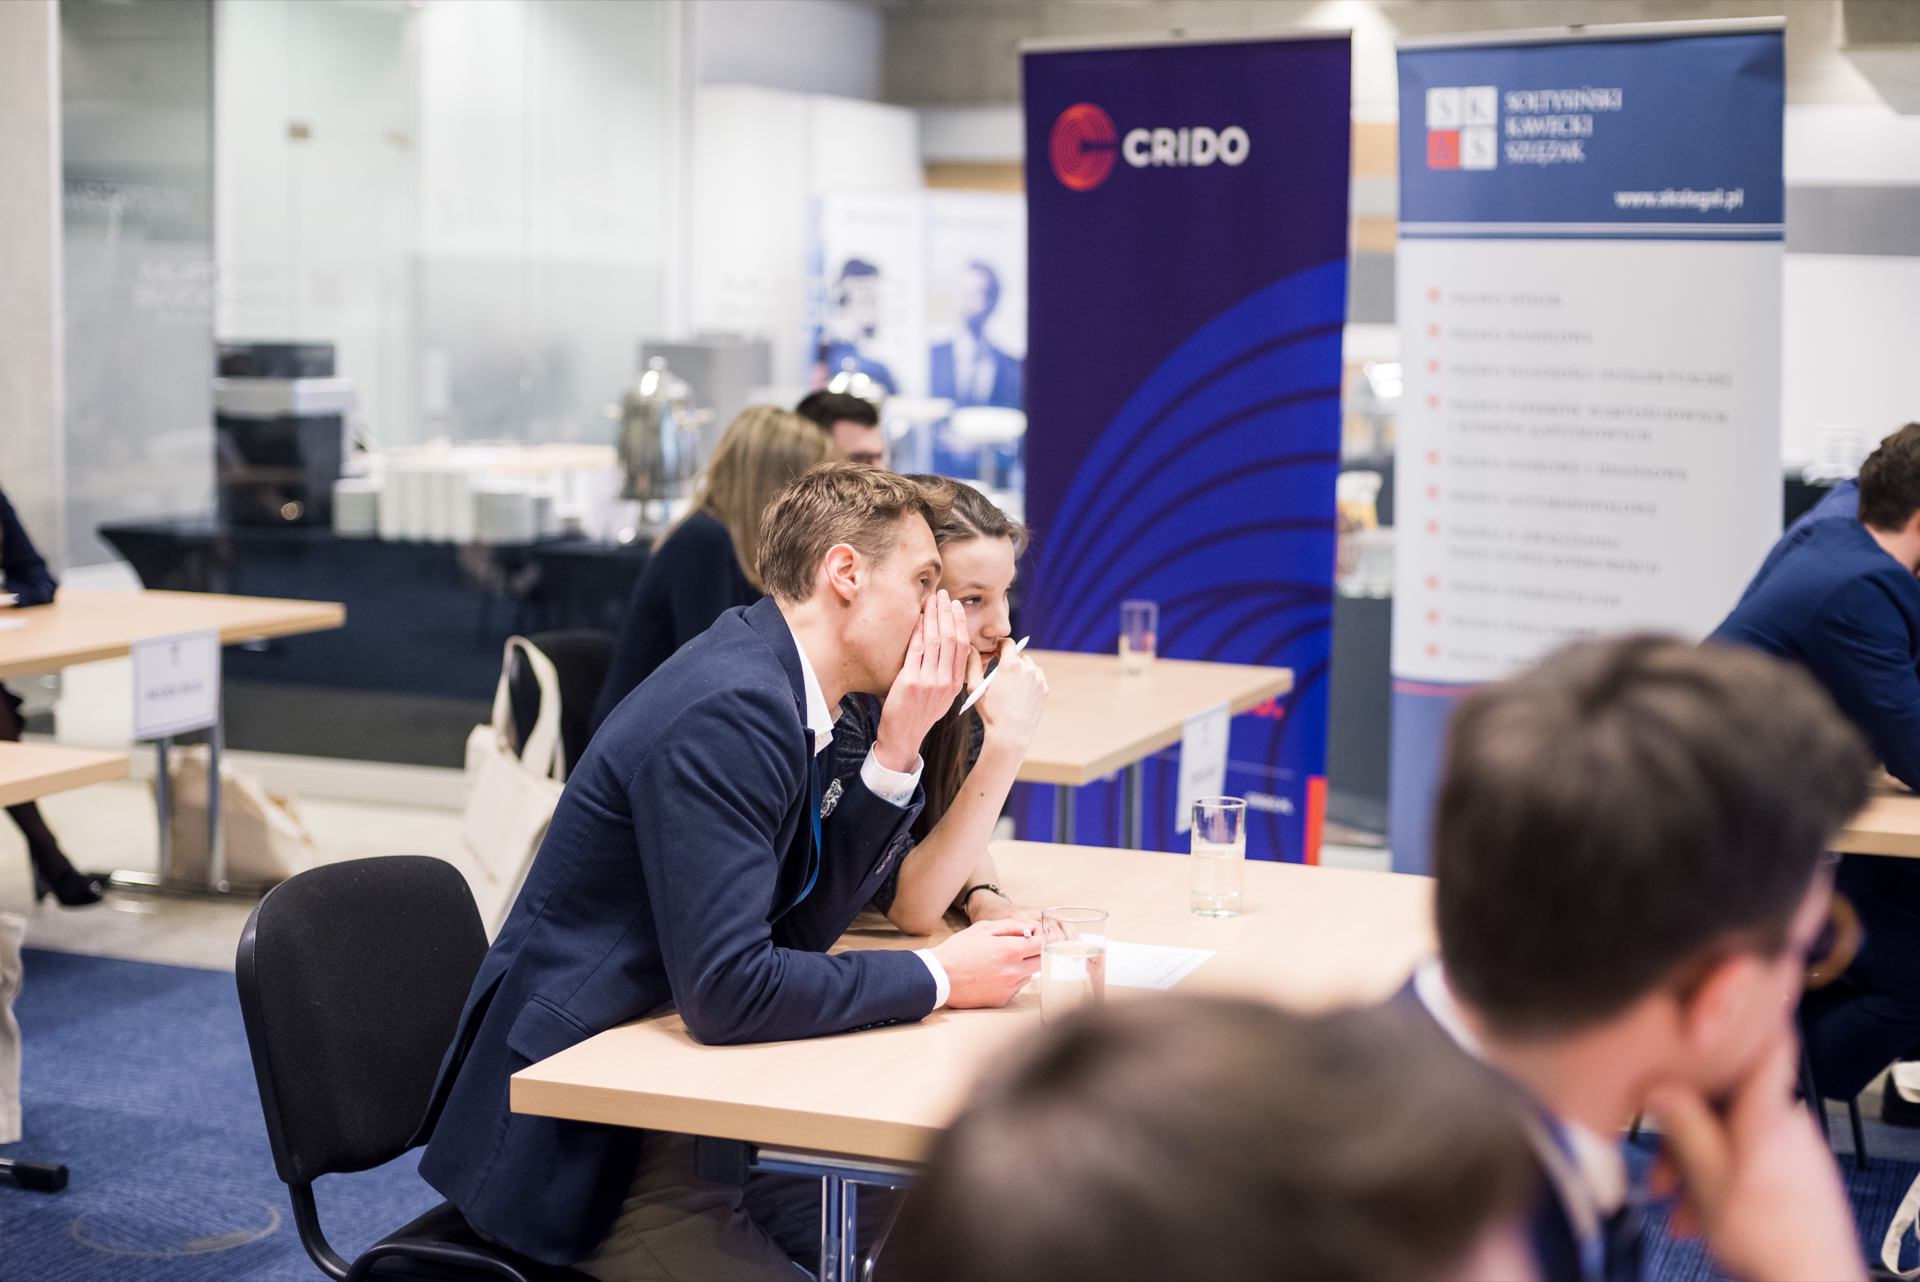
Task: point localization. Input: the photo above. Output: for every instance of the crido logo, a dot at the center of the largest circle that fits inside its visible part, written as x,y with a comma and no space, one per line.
1082,146
1085,143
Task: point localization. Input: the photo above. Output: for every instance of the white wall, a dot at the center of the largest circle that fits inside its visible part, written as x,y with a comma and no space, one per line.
30,315
805,46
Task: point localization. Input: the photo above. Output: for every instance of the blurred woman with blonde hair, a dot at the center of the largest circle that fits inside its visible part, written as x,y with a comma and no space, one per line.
703,565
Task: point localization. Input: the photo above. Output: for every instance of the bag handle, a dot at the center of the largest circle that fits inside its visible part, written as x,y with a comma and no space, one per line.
1897,1230
543,751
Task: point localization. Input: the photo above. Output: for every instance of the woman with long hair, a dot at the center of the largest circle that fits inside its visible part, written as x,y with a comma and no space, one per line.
968,760
26,581
704,565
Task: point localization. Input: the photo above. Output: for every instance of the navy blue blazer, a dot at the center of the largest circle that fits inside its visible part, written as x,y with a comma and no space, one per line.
1829,598
942,380
671,877
25,570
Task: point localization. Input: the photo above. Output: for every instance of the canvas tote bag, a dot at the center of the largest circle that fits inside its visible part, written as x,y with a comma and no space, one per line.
266,840
510,795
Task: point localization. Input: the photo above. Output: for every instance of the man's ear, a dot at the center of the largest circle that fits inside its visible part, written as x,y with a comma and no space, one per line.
1719,1001
845,571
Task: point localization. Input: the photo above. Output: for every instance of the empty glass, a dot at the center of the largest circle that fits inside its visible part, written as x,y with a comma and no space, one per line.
1219,856
1139,634
1073,960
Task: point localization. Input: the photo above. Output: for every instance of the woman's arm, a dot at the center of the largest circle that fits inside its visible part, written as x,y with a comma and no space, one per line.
26,571
954,854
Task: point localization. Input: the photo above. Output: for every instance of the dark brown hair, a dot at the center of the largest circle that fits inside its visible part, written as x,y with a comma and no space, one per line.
1890,481
1623,811
967,514
1185,1137
825,409
831,504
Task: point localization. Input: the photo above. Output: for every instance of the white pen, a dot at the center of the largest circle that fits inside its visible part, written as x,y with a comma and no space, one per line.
987,680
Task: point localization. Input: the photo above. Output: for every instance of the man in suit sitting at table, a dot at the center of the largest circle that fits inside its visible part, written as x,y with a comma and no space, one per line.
1837,595
1629,889
688,867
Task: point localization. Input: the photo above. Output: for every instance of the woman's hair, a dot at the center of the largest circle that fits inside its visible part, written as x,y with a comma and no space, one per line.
966,514
761,452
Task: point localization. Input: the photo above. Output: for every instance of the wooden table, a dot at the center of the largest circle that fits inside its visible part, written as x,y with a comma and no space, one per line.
1889,825
1101,718
84,626
1310,938
29,771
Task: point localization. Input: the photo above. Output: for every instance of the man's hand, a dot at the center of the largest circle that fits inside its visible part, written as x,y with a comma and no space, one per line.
928,682
1010,709
986,905
988,963
1758,1182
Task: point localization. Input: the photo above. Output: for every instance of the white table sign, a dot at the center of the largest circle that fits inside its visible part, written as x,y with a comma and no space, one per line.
176,684
1203,761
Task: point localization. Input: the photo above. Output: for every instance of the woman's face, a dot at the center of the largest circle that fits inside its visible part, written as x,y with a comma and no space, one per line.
978,573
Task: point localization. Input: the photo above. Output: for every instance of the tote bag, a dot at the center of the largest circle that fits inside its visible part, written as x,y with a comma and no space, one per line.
510,796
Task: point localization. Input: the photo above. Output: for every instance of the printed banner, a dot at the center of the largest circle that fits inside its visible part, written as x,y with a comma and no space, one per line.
1589,311
1187,240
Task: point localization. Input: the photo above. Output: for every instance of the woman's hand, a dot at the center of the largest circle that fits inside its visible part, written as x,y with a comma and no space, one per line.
1010,709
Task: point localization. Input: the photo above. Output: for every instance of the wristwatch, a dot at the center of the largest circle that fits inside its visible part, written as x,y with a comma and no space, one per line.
968,893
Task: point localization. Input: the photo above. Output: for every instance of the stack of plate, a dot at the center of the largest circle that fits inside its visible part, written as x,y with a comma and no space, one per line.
356,507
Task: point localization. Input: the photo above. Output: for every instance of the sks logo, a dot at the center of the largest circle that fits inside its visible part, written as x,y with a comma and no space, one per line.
1084,145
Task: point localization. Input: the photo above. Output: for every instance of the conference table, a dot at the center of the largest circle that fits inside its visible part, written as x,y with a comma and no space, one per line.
1889,824
29,771
86,626
863,1108
1101,718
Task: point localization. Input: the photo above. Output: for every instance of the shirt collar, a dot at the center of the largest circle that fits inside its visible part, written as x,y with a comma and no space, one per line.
819,716
1576,1156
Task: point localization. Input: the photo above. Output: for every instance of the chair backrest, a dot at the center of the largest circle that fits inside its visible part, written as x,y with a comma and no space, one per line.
580,660
352,977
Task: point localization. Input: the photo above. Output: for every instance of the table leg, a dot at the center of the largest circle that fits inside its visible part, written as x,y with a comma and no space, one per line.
1063,814
216,836
163,804
847,1267
830,1188
1132,785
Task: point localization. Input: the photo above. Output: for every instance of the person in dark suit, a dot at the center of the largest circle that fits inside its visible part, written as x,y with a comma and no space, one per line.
688,868
853,319
1629,888
703,565
1839,598
1221,1139
25,579
968,369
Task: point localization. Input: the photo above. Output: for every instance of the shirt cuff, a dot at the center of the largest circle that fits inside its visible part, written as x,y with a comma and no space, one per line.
890,786
942,986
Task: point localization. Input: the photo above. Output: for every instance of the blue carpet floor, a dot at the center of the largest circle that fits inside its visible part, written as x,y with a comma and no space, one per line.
137,1077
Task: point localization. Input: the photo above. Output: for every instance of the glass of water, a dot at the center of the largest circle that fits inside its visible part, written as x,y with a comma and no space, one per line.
1073,960
1139,634
1219,856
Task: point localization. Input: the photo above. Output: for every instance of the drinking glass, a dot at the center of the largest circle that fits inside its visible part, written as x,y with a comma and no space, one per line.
1219,856
1073,960
1139,634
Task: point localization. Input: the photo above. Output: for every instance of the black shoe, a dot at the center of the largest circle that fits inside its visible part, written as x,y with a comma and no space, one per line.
74,889
1896,1109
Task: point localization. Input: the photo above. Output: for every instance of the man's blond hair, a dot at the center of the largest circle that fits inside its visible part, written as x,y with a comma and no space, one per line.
834,503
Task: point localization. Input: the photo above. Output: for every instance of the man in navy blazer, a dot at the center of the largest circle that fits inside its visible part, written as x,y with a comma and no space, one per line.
688,867
1839,598
1627,891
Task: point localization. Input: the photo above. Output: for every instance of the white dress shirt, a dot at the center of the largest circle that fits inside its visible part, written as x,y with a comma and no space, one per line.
889,785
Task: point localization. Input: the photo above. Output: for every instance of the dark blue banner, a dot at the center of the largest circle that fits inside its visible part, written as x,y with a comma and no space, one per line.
1593,137
1187,242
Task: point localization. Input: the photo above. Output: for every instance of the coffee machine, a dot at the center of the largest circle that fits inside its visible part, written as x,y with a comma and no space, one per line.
280,432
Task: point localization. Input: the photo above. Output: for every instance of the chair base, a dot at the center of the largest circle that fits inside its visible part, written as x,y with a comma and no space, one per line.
422,1249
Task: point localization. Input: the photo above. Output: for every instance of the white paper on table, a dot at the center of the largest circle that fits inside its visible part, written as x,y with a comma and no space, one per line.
1203,761
12,623
1151,965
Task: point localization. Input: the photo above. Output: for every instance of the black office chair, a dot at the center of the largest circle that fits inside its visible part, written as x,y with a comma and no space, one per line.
580,660
352,977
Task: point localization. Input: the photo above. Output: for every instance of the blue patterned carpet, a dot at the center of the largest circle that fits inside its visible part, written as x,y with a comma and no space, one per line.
137,1077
